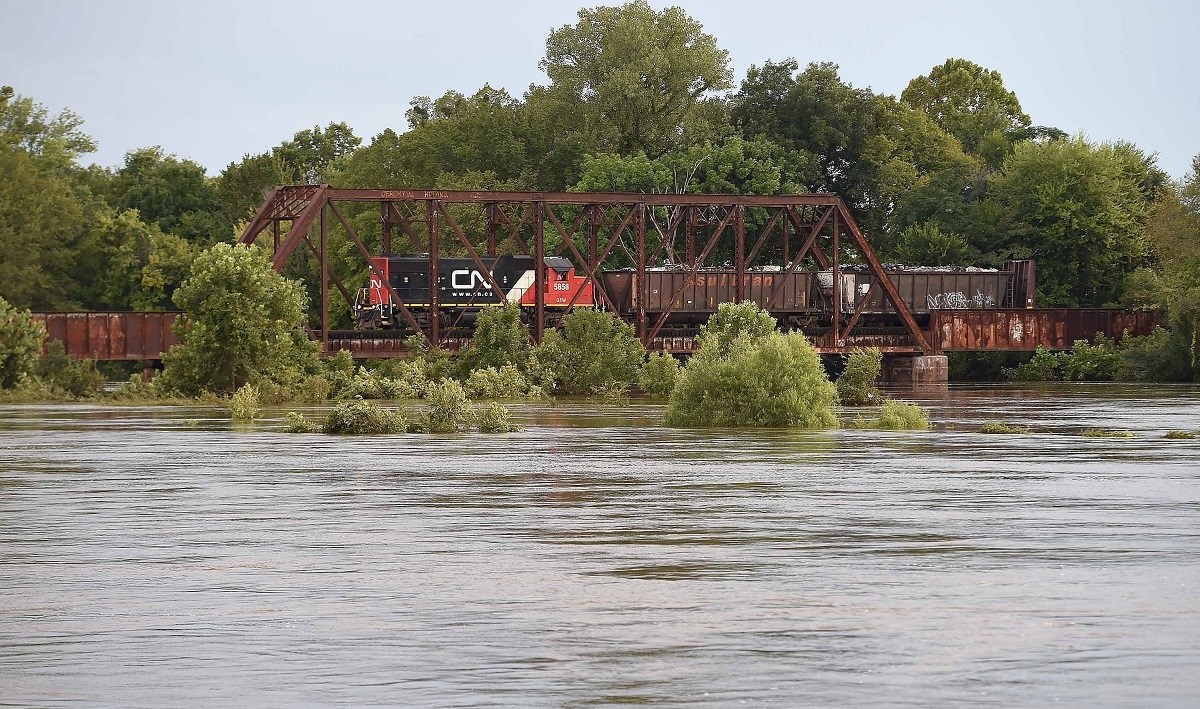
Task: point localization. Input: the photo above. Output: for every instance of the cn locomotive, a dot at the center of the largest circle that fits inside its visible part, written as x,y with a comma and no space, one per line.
683,298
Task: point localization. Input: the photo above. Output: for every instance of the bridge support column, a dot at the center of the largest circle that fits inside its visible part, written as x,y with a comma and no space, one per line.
922,369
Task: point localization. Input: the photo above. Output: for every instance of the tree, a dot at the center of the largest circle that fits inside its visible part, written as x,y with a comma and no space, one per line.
967,101
592,351
243,186
927,245
54,141
871,150
244,323
313,155
172,193
1077,209
627,80
142,265
20,343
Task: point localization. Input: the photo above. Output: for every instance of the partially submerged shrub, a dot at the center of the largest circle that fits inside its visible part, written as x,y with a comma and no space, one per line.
495,418
313,389
902,416
731,321
856,386
244,404
363,417
449,410
76,377
1044,366
500,340
658,374
592,350
1002,428
297,423
507,382
1089,362
774,380
1183,435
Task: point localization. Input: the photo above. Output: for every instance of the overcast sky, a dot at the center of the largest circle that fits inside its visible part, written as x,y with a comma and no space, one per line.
214,80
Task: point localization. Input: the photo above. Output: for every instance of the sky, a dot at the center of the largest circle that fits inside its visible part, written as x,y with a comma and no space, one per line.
213,81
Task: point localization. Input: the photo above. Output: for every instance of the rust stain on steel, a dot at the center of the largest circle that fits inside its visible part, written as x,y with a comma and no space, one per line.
111,336
1028,329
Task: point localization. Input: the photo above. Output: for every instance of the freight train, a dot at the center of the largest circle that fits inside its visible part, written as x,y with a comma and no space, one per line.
799,299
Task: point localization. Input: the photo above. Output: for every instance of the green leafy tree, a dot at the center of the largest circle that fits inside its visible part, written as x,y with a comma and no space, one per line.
20,342
871,150
1078,211
135,266
244,323
626,80
55,141
967,101
593,351
926,244
244,185
314,154
172,193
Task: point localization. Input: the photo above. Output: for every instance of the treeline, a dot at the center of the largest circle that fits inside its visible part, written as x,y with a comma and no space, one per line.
951,171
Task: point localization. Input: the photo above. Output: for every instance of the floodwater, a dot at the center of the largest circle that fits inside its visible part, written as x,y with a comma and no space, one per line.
161,557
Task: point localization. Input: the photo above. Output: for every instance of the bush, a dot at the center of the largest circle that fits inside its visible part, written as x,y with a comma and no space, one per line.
244,323
1089,362
1162,356
434,361
658,374
500,339
407,377
297,423
361,417
1184,435
902,416
494,418
856,386
244,404
731,321
313,389
769,381
507,382
77,377
449,411
591,351
339,370
1002,428
20,342
1044,366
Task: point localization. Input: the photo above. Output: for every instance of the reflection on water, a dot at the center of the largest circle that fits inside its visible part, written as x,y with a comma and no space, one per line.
153,557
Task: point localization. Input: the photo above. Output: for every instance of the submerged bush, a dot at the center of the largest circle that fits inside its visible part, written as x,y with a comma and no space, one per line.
1044,366
244,404
495,418
1185,435
297,423
506,382
902,416
362,417
1002,428
774,381
1161,356
1088,362
658,374
313,389
856,386
592,350
500,340
449,410
76,377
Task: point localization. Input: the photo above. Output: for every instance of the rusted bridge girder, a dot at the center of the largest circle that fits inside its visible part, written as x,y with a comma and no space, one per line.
691,232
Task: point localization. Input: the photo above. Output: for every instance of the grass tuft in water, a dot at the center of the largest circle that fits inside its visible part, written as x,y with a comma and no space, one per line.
1105,433
297,423
999,427
1183,435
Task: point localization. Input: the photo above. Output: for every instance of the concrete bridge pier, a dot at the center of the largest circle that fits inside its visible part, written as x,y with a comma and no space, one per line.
916,369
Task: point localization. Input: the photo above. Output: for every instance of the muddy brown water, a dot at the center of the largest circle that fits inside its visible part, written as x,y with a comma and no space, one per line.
160,557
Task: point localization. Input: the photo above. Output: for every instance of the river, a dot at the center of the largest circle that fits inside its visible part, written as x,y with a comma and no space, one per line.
162,557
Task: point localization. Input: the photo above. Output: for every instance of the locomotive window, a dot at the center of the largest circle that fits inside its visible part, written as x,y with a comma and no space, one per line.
561,276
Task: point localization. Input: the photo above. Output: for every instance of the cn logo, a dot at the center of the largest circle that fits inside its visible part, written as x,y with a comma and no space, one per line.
466,279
